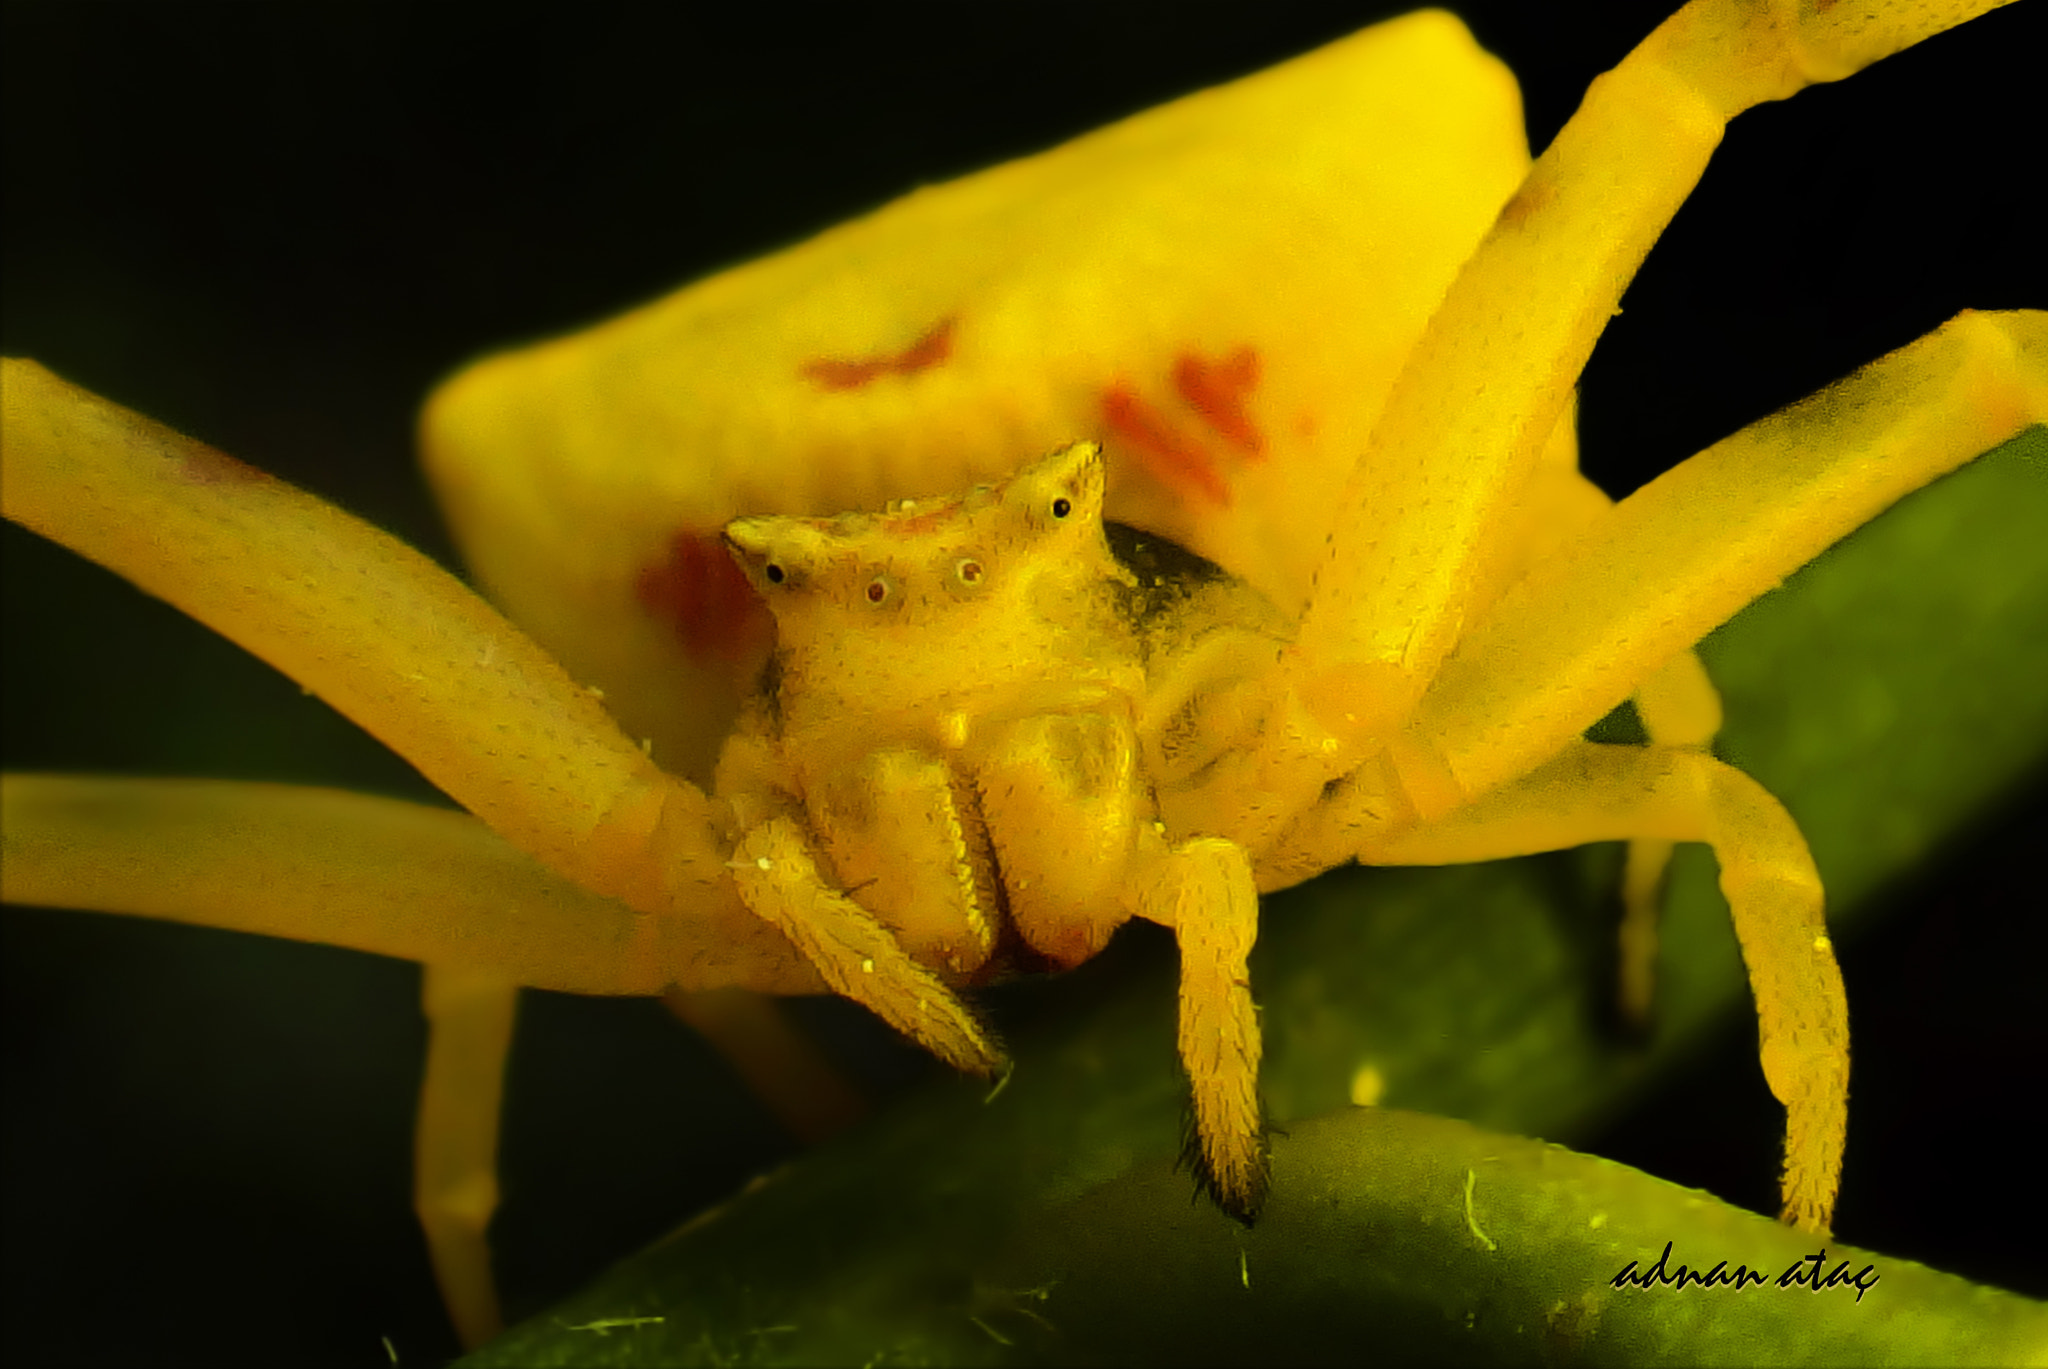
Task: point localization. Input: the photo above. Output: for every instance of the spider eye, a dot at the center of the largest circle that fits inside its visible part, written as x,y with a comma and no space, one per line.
774,573
1061,508
966,576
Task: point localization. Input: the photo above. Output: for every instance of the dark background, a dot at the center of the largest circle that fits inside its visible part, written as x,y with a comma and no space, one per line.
275,228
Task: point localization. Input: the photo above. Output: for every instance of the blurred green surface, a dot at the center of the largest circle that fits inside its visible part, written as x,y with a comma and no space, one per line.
1390,1235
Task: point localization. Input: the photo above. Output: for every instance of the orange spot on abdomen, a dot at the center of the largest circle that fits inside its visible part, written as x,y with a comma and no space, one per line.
1217,390
703,597
932,349
1177,453
1172,459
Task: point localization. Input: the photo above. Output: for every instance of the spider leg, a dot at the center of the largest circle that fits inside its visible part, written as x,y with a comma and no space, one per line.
344,869
858,956
376,629
400,879
455,1141
1603,793
931,885
401,647
1487,384
1081,849
1203,889
1678,706
1680,556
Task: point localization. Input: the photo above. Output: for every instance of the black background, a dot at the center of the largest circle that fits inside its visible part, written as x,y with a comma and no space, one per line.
276,227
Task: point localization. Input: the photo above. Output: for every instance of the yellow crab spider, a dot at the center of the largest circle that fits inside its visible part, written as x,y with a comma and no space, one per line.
1324,703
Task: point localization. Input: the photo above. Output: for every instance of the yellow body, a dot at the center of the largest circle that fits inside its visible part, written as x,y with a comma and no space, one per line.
1425,604
1266,217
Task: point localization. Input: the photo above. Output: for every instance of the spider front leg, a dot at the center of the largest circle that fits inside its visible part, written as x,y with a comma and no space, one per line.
396,644
1492,375
1204,890
403,649
1081,848
1373,670
388,638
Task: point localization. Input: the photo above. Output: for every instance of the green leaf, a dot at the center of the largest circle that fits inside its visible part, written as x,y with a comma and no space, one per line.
1889,693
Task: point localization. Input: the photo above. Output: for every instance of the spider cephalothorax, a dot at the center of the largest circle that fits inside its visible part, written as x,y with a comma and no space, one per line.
915,815
939,782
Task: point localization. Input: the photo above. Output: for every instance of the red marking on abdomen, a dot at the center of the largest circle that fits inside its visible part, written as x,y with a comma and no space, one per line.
702,595
928,351
1217,390
1176,462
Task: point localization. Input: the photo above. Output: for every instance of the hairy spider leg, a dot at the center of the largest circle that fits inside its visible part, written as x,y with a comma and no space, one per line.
1684,553
1449,455
344,869
858,956
1593,793
1394,593
1204,890
1677,705
1665,567
434,672
443,679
